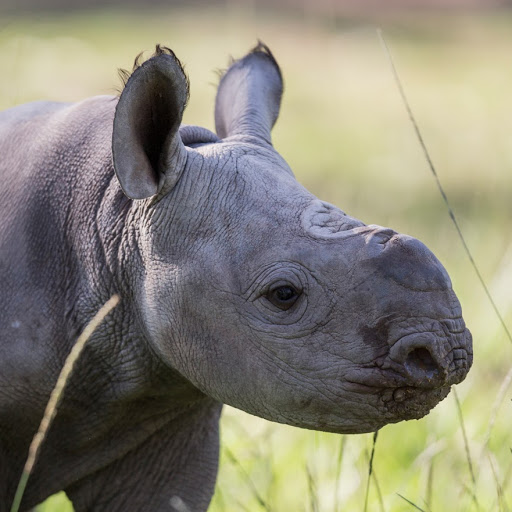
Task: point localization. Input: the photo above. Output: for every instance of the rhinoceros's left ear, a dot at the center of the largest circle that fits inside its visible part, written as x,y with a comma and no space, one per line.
146,143
249,96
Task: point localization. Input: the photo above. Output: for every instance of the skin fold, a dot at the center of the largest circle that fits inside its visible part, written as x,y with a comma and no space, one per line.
237,286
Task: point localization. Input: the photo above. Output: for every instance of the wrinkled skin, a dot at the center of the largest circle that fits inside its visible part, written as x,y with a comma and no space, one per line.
237,286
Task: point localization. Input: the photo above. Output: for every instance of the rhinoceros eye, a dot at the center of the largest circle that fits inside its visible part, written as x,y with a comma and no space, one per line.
283,297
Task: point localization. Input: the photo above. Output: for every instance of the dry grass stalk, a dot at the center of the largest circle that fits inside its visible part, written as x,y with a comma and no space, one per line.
53,402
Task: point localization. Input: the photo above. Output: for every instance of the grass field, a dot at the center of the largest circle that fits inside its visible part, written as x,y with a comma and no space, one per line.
345,132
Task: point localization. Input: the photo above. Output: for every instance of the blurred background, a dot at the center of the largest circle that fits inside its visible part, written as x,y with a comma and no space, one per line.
346,134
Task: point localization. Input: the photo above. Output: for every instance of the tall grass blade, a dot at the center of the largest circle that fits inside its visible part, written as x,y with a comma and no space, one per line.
56,395
370,470
499,490
495,408
247,479
272,486
438,182
242,506
465,437
341,450
313,498
430,484
500,397
379,493
471,492
410,503
504,484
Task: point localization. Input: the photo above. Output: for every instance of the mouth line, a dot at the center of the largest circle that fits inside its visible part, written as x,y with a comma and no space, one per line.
399,391
403,401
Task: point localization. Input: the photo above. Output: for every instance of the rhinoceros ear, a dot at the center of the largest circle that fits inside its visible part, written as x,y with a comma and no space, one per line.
145,141
249,96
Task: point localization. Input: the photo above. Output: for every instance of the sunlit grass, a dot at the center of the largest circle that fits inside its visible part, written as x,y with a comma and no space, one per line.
345,133
57,503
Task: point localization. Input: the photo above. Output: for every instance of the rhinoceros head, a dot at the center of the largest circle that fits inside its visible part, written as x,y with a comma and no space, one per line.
258,293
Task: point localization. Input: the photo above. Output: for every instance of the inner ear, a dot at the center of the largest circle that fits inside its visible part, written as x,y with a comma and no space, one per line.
154,121
145,137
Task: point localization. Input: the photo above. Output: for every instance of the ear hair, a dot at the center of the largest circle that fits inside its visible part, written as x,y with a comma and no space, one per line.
124,74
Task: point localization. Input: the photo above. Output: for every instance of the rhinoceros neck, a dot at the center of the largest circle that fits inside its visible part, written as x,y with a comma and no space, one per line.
64,254
101,234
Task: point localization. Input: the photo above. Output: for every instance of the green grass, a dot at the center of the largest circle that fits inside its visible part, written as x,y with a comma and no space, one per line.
57,503
345,133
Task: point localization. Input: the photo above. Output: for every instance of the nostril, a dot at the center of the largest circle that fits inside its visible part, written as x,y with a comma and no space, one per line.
420,364
422,359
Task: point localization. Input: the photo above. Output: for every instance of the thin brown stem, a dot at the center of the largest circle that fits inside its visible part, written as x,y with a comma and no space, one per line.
55,397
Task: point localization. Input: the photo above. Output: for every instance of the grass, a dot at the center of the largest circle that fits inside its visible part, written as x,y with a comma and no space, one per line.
344,131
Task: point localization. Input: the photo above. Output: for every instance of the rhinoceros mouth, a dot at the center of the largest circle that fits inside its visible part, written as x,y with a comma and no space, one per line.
412,403
398,399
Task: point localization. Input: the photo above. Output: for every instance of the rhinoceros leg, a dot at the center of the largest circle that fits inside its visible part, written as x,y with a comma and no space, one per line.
177,465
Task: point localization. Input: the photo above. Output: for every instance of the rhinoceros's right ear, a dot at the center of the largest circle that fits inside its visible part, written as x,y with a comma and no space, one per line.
145,141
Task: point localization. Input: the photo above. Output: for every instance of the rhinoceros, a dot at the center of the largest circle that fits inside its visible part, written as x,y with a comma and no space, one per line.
237,286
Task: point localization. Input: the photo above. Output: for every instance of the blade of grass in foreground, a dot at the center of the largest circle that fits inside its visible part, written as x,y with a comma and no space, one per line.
53,402
341,450
465,437
370,470
379,493
472,491
313,499
500,397
247,478
410,503
430,484
503,488
499,489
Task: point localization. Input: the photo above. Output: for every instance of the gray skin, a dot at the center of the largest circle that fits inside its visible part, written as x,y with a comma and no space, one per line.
237,286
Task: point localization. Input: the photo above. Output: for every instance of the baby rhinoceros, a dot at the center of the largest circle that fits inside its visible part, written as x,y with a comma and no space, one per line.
237,286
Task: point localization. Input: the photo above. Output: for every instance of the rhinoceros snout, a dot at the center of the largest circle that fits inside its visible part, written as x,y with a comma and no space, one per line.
428,362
